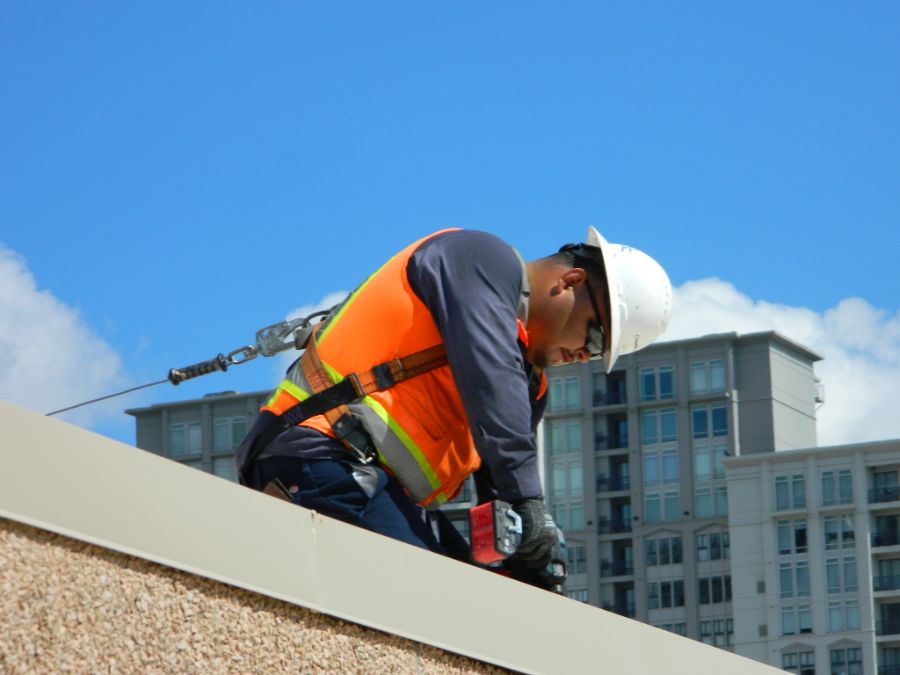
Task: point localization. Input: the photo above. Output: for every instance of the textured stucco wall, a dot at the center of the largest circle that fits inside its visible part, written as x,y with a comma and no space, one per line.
68,606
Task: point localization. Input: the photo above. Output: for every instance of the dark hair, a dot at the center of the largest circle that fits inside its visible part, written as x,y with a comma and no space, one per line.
586,257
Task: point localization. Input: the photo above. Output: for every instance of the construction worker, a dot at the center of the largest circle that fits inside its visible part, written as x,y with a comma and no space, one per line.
433,370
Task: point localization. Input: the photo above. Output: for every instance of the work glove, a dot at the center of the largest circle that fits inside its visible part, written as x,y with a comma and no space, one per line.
540,536
540,560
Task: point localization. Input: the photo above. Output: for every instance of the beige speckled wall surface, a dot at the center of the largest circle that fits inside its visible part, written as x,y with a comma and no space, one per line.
68,606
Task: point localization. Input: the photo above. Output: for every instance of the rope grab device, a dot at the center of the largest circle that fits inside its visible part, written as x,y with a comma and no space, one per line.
290,334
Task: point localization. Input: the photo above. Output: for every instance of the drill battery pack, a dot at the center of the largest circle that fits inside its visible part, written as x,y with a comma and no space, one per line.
495,531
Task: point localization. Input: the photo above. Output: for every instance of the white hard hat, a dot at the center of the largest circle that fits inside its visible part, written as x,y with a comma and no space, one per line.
640,297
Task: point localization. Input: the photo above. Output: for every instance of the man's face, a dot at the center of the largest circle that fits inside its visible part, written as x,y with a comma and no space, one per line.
558,332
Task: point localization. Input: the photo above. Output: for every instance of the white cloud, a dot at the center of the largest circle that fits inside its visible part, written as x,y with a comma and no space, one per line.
860,345
283,360
49,357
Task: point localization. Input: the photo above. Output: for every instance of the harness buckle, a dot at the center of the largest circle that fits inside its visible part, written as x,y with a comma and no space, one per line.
384,378
349,430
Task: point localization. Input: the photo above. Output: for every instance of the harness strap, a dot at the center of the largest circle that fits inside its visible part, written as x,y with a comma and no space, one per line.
331,399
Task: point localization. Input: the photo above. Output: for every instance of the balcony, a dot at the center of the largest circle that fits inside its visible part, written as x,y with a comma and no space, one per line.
617,526
613,484
616,568
616,441
887,627
886,582
609,398
884,494
625,609
886,539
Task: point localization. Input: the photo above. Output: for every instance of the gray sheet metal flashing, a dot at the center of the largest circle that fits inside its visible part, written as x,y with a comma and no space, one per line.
84,486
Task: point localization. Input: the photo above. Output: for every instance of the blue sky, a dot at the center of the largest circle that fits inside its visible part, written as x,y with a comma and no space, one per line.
174,176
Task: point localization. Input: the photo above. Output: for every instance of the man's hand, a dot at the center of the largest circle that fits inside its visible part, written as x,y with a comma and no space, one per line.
540,559
540,535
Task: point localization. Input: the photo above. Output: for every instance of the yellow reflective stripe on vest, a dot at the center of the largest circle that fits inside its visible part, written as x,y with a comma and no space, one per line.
349,301
396,449
398,452
290,388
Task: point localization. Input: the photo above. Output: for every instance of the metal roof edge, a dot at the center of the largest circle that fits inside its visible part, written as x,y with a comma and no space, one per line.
73,482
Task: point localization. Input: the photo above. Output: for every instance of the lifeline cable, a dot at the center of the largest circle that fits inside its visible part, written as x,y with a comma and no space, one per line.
103,398
270,340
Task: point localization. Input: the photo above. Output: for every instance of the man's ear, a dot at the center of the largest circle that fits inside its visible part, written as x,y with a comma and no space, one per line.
573,277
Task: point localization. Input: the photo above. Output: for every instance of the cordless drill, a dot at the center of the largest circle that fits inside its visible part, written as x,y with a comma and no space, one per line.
495,530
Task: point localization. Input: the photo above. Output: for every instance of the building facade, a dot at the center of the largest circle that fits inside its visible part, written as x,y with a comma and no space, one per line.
816,536
202,433
635,474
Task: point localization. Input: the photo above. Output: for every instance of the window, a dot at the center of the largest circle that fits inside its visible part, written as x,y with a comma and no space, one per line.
710,502
887,577
718,632
566,476
579,594
224,468
843,615
846,661
465,494
713,546
564,436
569,515
709,420
228,432
840,574
677,628
564,394
839,532
802,663
657,383
185,440
659,507
794,579
664,551
462,526
663,594
791,536
796,619
671,509
721,494
708,462
577,555
565,473
658,426
651,508
790,492
661,466
713,590
837,487
707,377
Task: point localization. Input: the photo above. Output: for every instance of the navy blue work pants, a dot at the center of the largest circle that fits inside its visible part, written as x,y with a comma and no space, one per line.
363,495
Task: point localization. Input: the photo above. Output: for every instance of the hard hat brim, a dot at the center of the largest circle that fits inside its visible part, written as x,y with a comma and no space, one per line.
614,293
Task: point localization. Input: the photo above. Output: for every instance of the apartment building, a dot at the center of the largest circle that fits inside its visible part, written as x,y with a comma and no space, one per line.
815,540
635,469
202,433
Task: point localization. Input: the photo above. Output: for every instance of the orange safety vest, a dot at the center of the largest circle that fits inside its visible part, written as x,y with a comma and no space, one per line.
418,425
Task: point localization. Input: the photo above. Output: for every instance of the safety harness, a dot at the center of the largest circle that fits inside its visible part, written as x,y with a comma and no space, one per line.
331,400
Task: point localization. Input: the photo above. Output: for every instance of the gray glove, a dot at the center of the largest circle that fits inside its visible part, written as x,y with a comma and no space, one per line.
540,536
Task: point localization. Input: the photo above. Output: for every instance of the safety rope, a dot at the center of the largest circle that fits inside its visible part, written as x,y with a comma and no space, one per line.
270,340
